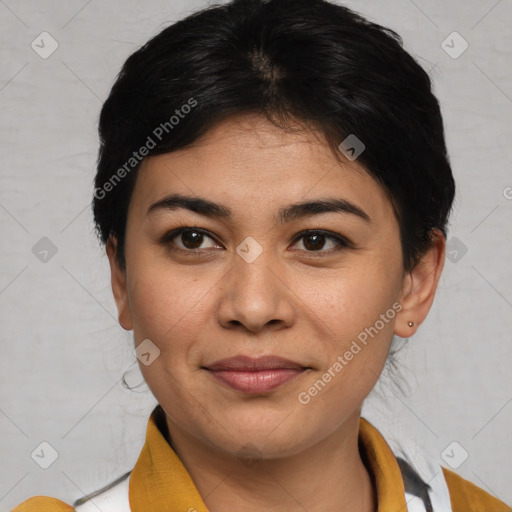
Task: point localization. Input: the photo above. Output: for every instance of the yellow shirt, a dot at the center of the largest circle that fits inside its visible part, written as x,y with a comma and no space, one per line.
160,483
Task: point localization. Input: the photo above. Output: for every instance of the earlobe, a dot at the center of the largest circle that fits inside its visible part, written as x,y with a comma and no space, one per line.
119,288
419,287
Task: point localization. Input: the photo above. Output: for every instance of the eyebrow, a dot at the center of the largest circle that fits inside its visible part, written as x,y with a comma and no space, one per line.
287,214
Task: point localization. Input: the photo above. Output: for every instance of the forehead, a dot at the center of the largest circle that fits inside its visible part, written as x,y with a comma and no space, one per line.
250,164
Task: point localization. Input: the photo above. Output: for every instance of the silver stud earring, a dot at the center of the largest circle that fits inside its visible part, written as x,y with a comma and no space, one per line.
410,324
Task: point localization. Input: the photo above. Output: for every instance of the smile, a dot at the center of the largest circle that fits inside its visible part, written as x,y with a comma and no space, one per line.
255,375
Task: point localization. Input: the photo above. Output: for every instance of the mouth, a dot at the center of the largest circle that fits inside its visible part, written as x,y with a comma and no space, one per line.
255,375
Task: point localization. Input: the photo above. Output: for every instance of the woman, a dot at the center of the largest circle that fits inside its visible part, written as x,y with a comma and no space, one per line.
273,190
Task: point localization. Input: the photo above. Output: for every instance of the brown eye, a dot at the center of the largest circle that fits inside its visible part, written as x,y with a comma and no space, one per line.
321,241
189,240
314,242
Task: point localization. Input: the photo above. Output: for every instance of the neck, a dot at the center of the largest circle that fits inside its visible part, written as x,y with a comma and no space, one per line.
329,476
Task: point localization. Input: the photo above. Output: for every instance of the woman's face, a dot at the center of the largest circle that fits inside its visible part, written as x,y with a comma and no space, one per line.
247,313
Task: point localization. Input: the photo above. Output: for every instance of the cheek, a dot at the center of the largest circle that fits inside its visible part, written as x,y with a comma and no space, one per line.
171,307
355,314
164,304
349,302
169,310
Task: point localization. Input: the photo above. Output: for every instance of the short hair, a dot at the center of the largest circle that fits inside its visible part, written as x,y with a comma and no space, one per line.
310,61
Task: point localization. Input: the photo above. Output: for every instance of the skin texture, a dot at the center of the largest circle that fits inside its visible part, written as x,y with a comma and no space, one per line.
296,300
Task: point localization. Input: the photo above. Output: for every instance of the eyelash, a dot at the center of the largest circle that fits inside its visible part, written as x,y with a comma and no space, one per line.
341,241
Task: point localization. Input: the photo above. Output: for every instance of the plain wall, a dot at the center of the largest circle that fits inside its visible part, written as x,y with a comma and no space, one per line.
62,351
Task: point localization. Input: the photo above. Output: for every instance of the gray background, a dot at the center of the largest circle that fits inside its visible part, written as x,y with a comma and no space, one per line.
62,352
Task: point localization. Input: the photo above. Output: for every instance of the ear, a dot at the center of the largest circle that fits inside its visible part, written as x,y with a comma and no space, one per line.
118,280
419,287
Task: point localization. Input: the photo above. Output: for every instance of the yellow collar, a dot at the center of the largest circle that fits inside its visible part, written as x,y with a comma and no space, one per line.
160,483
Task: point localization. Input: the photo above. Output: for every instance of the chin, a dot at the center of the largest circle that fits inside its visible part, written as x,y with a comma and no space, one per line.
264,436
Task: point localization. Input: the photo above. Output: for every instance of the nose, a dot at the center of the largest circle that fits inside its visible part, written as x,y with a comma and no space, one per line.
255,296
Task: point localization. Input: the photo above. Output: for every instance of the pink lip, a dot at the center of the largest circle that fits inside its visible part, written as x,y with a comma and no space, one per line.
259,375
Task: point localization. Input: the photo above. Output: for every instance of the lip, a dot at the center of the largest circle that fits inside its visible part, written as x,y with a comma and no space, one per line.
255,375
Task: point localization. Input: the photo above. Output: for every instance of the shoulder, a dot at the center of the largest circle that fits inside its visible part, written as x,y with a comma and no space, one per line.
112,498
43,504
467,497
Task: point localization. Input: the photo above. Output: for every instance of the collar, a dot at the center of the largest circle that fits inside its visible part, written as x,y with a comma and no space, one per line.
160,482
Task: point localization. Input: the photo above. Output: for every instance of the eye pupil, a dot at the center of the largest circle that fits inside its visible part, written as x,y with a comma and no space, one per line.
318,242
191,239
